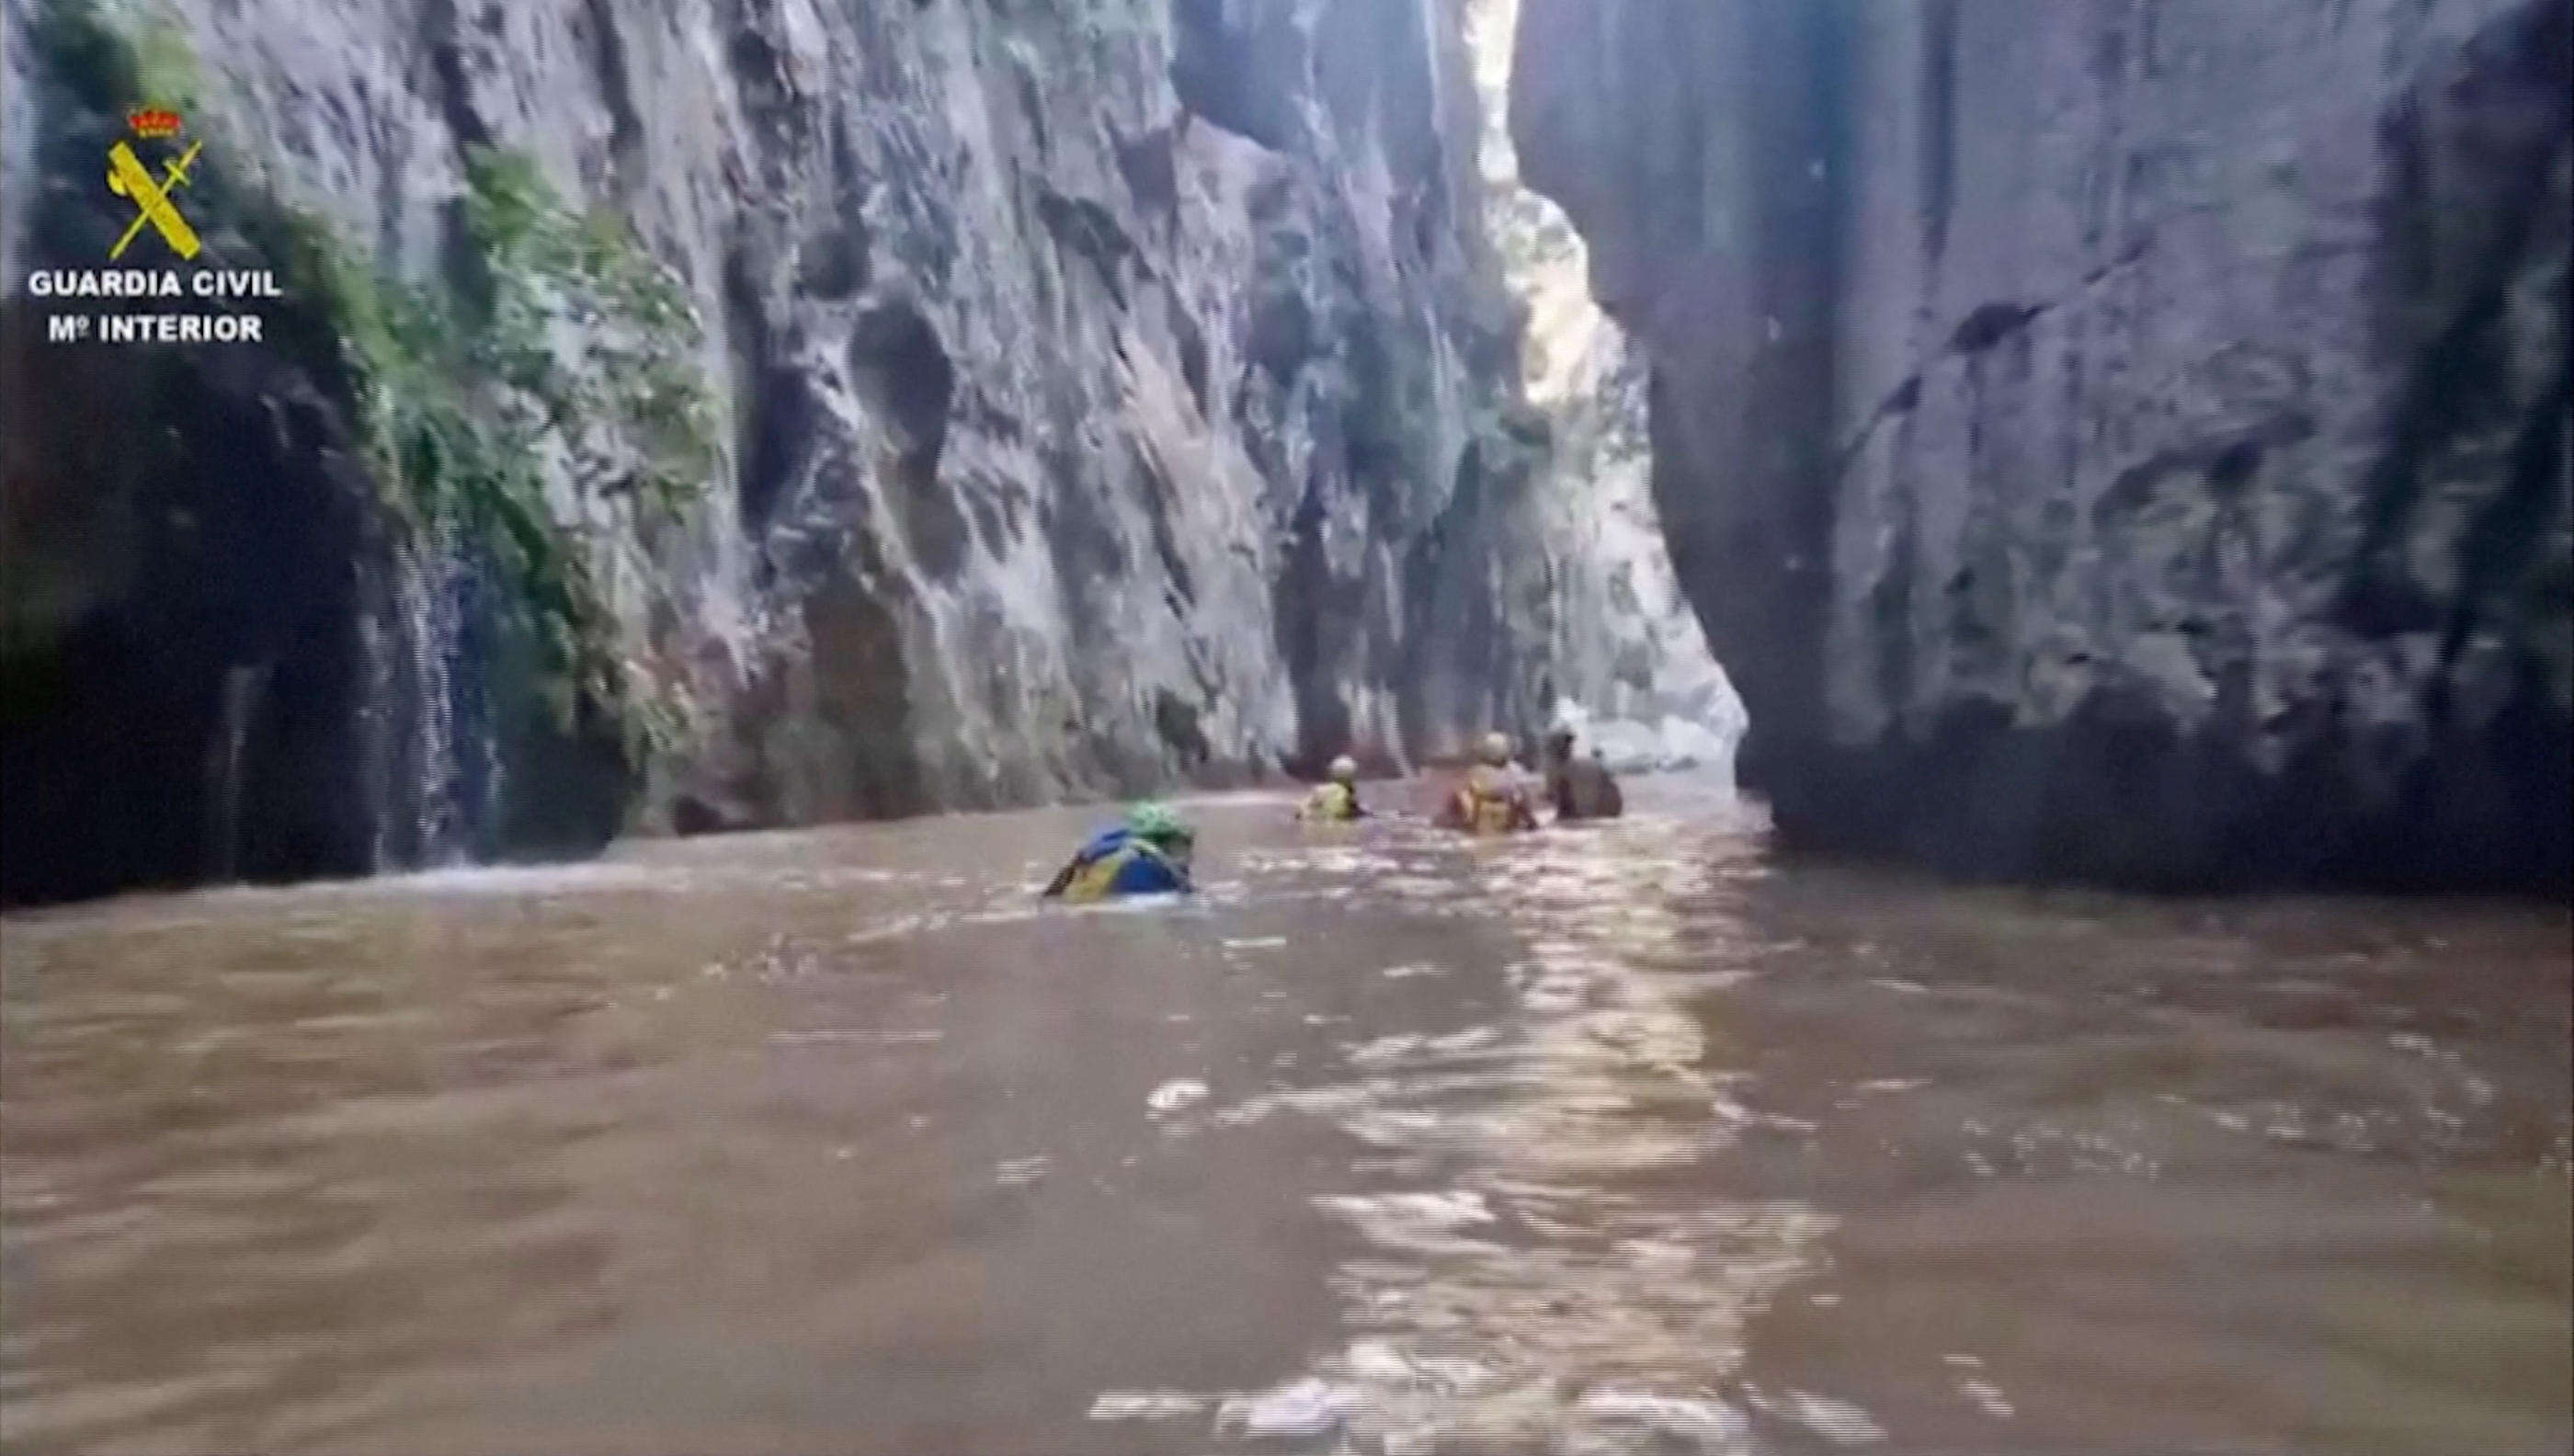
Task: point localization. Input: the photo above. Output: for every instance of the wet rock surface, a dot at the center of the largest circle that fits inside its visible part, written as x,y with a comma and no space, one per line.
2125,441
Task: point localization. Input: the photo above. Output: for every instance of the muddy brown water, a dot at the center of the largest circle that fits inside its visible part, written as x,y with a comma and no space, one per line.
1623,1140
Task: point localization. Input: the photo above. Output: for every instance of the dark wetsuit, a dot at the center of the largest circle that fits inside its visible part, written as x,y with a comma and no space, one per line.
1583,790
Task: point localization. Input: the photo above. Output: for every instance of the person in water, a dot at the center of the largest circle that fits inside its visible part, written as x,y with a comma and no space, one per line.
1336,798
1147,854
1580,788
1492,801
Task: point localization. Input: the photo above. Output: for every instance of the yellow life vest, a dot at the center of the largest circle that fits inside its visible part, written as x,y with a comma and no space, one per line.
1489,803
1090,882
1331,803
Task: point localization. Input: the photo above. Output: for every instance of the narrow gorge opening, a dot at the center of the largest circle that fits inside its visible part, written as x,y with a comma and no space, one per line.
1632,670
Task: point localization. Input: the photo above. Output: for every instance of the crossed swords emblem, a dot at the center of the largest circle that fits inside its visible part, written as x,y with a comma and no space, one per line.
127,178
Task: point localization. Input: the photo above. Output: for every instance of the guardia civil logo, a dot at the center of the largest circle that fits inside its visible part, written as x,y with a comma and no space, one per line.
226,297
153,198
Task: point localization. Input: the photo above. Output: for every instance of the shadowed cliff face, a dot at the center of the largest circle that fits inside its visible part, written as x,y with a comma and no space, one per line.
1109,395
2108,440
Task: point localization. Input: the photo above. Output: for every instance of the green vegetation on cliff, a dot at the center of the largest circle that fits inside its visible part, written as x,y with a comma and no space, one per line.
564,343
485,462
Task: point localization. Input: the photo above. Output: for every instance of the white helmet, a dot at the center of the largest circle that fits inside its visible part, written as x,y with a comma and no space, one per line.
1497,749
1344,769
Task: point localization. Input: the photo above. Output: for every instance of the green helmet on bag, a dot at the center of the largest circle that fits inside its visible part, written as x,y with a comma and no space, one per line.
1155,825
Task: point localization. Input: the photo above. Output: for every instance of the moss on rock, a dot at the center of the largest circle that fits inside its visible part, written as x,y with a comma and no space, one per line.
561,386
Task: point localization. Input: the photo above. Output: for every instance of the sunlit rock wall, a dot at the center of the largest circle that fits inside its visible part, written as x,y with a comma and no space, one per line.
1627,651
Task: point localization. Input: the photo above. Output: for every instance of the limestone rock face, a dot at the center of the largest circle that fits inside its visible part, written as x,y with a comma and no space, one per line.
1627,656
1114,393
2120,440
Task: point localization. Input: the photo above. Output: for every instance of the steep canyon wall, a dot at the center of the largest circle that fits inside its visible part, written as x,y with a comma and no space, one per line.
2122,438
754,411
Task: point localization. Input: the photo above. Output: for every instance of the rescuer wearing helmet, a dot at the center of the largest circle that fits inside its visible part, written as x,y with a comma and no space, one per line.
1147,854
1582,789
1491,800
1336,798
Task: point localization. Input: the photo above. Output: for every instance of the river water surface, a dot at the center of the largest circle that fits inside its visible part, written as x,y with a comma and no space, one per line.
1623,1140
